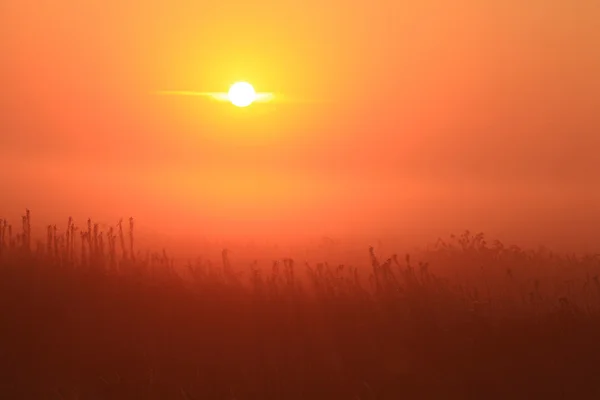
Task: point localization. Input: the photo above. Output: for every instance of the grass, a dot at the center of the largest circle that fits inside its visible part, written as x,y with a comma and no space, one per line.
85,315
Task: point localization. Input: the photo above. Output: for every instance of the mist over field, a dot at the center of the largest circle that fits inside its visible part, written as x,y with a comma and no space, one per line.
412,212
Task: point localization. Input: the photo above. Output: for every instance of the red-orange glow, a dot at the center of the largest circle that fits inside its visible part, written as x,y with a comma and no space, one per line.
164,235
386,114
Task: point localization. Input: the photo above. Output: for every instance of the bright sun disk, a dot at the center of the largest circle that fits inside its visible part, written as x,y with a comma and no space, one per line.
241,94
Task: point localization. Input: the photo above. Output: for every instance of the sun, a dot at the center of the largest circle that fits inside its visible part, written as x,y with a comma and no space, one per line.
241,94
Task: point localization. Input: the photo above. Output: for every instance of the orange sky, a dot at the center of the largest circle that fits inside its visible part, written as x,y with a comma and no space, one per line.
440,115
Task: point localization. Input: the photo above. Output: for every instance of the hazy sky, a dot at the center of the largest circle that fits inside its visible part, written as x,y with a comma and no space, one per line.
440,115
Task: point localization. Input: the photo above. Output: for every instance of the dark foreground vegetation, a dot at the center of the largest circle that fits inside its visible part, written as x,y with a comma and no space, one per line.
84,316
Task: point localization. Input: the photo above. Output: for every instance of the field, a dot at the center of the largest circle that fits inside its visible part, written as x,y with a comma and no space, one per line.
85,315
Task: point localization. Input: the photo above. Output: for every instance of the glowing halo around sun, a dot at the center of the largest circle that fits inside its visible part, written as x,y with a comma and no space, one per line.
241,94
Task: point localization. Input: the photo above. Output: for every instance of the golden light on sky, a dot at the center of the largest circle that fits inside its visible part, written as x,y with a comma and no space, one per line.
368,116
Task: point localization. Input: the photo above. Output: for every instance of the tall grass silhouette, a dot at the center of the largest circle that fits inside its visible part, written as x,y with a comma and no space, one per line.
88,315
